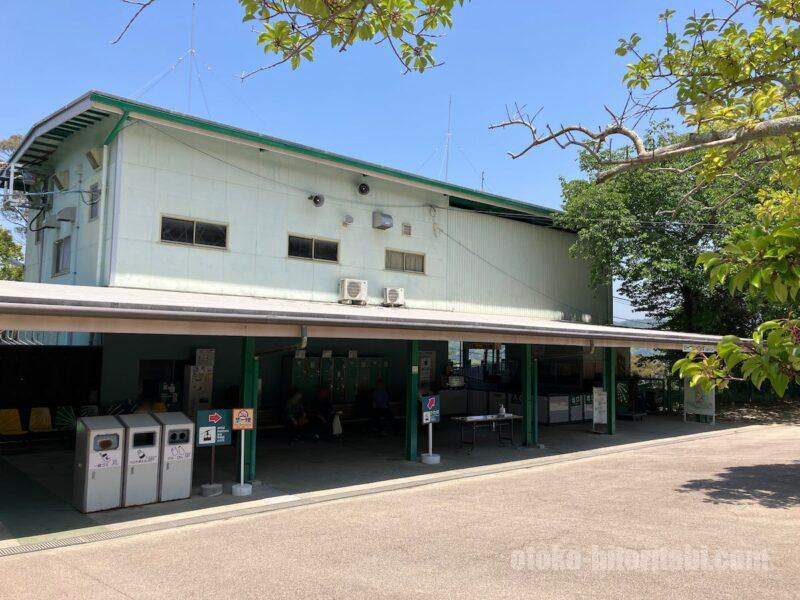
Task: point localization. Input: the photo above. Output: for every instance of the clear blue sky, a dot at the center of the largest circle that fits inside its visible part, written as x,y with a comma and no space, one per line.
559,55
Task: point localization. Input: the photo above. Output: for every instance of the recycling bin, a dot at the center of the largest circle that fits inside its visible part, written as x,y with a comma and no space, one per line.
575,408
97,476
588,407
177,456
142,449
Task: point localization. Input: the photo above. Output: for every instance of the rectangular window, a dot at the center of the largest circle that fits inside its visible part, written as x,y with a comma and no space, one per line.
325,250
94,201
61,258
303,247
405,261
199,233
210,234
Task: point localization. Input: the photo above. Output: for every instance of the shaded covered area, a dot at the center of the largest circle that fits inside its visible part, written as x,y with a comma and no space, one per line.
336,389
36,506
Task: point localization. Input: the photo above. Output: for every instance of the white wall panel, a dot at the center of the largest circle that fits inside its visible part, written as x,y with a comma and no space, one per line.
510,267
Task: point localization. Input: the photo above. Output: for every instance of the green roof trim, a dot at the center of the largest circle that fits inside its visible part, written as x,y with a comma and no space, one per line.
130,106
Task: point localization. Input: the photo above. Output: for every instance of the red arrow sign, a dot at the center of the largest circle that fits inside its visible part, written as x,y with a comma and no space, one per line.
431,403
215,417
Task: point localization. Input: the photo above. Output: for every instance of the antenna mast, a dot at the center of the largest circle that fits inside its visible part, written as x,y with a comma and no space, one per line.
191,57
447,137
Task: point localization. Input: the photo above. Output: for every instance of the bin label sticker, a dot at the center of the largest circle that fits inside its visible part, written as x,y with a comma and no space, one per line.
175,452
143,456
105,459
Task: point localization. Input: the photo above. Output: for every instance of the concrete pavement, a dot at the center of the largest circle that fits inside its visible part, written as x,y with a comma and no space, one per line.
525,533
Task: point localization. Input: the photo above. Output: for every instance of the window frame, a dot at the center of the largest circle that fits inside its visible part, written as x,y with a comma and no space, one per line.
314,241
404,253
57,246
194,222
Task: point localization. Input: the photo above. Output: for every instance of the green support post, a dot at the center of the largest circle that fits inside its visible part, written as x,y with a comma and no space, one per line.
610,385
249,399
527,367
535,403
412,400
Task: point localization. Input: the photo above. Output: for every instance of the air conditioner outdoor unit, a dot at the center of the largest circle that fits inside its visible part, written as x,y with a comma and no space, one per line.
394,296
352,291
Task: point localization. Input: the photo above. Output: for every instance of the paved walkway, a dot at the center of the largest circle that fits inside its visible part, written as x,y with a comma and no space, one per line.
36,506
568,529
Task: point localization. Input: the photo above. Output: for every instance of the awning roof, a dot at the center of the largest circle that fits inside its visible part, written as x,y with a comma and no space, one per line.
48,307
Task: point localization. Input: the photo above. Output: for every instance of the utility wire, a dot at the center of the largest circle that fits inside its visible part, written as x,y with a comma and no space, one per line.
157,79
202,88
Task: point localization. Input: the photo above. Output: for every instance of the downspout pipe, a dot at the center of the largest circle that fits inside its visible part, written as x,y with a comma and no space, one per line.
101,225
301,345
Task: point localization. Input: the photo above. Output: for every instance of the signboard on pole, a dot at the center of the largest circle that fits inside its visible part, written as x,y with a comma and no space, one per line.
214,427
430,409
243,419
697,401
599,407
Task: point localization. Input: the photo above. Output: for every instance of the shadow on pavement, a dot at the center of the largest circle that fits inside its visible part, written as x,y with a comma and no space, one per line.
771,486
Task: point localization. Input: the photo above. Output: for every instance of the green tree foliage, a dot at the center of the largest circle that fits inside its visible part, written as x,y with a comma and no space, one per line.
292,28
10,257
734,81
13,215
627,232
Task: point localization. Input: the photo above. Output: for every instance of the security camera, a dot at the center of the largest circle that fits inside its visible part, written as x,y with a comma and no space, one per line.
363,189
317,199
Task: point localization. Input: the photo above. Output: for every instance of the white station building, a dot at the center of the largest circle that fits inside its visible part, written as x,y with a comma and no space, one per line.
155,234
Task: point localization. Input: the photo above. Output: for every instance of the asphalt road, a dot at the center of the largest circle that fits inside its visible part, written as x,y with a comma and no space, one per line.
708,518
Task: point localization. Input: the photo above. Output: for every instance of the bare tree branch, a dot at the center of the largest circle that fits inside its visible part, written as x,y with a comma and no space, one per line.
142,4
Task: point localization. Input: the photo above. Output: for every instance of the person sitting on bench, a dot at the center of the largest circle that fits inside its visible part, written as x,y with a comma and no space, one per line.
381,413
296,418
320,414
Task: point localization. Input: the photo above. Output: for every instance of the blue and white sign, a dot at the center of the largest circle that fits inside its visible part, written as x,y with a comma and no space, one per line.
214,427
430,409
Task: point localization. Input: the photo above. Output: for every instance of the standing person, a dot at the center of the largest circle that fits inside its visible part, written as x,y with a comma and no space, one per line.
380,409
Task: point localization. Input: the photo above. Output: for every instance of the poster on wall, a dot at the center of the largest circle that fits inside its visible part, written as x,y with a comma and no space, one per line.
427,366
696,401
